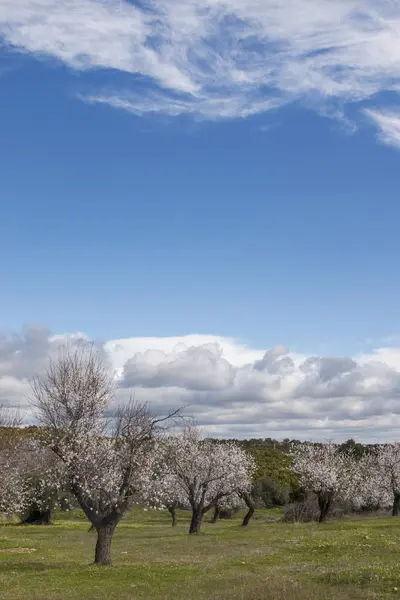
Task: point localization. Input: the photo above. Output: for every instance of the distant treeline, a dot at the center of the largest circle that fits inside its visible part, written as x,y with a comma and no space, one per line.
275,484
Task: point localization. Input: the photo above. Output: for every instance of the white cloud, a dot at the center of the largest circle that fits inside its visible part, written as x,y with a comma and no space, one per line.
231,389
200,368
234,352
14,391
216,58
388,123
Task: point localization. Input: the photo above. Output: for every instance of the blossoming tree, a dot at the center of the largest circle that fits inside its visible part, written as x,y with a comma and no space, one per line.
369,489
324,470
205,472
238,500
11,482
104,458
12,498
160,488
43,477
389,473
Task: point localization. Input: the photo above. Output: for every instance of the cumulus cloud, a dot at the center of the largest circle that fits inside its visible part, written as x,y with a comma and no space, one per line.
216,58
230,388
22,355
200,368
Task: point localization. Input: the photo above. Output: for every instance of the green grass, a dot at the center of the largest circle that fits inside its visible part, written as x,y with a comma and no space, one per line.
340,560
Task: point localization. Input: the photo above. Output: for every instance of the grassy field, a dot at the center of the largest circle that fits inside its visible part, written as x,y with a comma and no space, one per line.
345,559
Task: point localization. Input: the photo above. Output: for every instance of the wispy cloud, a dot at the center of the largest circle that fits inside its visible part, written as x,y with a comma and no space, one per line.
388,124
217,58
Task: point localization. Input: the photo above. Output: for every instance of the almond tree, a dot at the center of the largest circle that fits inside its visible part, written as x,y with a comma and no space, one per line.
161,489
12,488
104,458
204,471
370,488
238,500
30,474
227,506
324,470
12,485
43,475
248,501
389,468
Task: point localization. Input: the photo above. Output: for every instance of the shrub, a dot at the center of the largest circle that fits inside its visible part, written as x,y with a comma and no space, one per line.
303,511
269,493
228,513
307,510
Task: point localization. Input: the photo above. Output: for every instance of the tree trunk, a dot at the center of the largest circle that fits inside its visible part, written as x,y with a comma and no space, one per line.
195,523
103,545
37,517
172,511
248,516
396,505
217,512
324,503
250,505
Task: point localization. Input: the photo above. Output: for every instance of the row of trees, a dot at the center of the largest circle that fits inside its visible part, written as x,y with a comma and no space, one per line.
367,480
110,458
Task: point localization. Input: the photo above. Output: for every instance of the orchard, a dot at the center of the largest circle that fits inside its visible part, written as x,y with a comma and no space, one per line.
106,459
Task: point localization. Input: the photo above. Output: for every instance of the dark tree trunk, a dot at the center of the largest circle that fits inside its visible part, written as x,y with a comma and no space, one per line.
105,525
37,517
172,511
396,505
324,503
103,545
248,516
217,512
250,505
195,524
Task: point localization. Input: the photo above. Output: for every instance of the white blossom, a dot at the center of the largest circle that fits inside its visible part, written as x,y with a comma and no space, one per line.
325,470
322,467
203,472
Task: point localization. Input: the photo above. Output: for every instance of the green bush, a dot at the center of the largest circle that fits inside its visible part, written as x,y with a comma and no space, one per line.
269,493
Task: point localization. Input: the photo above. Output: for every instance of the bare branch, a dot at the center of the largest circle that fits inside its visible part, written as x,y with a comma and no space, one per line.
10,417
136,421
74,392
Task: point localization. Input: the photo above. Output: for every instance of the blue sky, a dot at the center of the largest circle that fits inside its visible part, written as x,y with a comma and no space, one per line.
276,227
282,227
226,170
